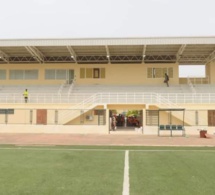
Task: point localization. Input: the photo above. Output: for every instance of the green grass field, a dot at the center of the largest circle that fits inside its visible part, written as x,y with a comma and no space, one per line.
95,170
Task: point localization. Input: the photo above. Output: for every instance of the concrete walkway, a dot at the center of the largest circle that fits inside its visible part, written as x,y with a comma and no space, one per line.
105,140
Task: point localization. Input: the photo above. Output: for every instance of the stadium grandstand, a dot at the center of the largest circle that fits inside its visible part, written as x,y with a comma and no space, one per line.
84,85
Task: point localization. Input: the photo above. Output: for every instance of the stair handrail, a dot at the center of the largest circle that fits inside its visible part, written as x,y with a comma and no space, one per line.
71,87
190,84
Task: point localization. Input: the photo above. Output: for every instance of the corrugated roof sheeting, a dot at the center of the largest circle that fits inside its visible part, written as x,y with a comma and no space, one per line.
108,41
149,50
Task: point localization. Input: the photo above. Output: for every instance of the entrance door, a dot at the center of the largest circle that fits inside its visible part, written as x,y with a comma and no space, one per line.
126,119
211,117
41,116
70,76
96,73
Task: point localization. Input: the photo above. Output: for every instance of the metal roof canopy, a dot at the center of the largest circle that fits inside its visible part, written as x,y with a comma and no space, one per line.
182,50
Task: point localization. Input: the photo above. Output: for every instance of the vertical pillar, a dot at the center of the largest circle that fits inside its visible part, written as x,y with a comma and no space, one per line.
56,117
107,127
144,117
31,116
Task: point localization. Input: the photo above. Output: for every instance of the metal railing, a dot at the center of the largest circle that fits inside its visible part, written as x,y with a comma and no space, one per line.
72,85
199,80
190,84
73,111
107,98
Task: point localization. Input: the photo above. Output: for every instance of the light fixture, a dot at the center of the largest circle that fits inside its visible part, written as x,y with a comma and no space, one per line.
108,56
72,56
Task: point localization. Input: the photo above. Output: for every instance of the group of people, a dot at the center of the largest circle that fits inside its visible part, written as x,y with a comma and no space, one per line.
133,121
123,121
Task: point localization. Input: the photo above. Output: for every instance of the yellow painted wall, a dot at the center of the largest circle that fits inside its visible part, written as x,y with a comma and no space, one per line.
115,73
210,70
125,107
133,74
194,80
41,73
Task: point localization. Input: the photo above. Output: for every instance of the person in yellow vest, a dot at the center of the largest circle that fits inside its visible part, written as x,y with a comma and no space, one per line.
25,94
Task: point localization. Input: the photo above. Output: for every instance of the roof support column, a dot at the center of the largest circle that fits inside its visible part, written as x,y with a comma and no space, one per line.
35,53
144,53
180,52
72,53
108,54
211,57
4,56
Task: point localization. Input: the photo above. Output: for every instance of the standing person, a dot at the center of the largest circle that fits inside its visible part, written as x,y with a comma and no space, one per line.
25,94
166,80
113,123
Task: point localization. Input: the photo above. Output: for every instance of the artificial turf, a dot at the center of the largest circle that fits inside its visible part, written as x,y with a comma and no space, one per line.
99,170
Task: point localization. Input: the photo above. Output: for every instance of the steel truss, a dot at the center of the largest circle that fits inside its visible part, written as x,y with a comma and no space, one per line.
193,59
36,53
48,59
115,59
3,57
85,59
62,59
22,59
160,58
211,57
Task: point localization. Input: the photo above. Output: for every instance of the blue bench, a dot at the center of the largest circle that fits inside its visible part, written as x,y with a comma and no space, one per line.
171,128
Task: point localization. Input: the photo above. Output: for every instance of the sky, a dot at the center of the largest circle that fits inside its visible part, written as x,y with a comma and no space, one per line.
106,18
24,19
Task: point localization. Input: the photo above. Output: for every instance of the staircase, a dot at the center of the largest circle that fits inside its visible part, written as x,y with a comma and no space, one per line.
73,112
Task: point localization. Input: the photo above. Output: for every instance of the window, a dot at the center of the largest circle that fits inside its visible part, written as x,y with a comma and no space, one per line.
89,73
92,73
31,74
159,72
50,74
102,73
60,74
82,73
16,74
2,74
56,74
149,73
23,74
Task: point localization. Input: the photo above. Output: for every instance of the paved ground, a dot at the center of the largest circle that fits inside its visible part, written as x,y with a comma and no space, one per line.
129,140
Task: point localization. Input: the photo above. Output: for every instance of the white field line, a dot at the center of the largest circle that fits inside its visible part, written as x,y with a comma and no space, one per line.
102,150
126,175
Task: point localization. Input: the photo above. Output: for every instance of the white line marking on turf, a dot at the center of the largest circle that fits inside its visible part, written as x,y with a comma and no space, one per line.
126,175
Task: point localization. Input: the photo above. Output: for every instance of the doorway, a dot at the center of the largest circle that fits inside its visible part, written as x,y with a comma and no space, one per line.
41,116
128,120
70,76
96,73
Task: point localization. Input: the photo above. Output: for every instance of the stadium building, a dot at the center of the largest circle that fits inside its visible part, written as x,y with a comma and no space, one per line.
84,85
